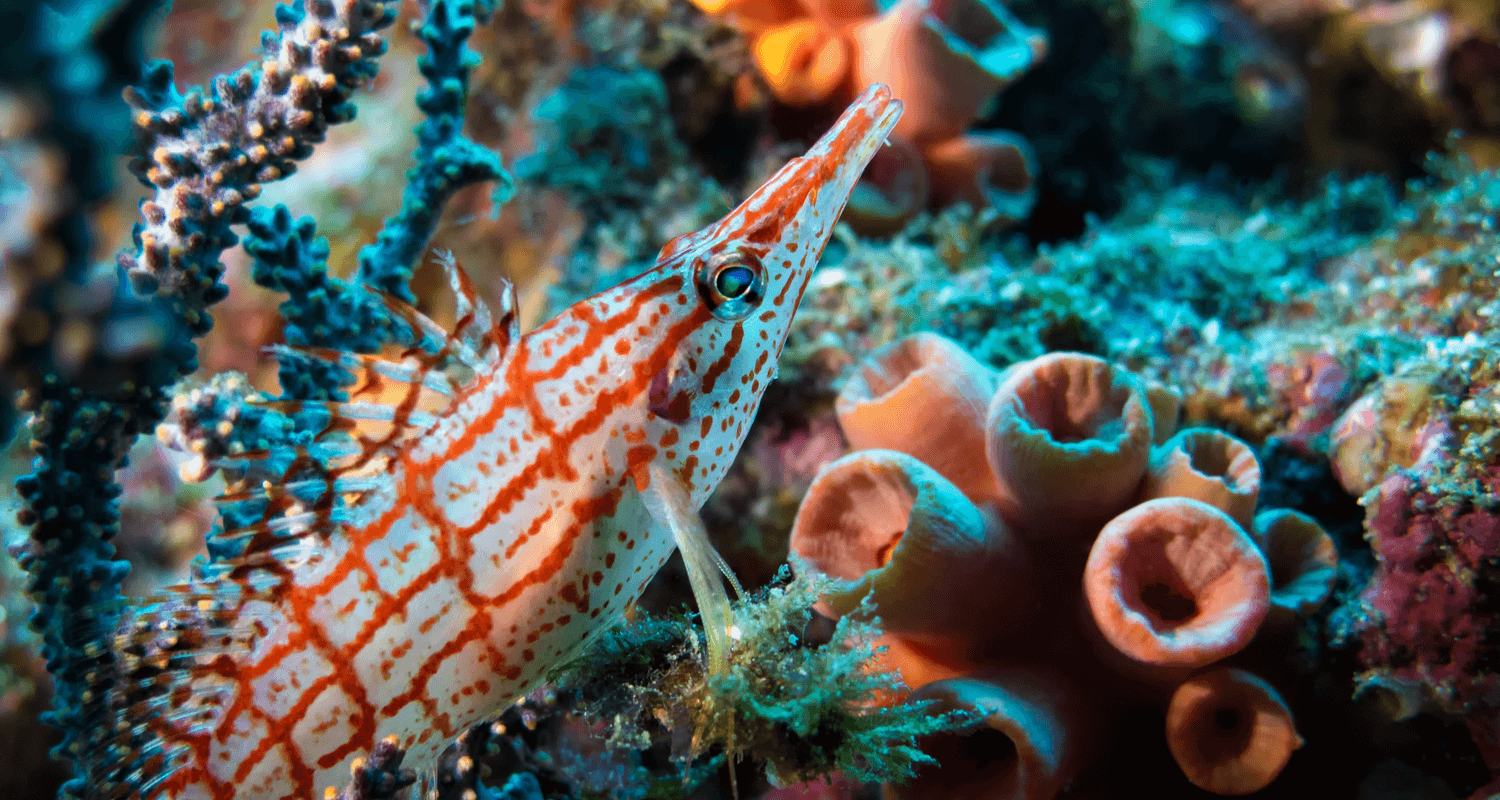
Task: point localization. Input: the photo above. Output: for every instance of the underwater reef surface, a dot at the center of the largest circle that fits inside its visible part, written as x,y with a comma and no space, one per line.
1137,432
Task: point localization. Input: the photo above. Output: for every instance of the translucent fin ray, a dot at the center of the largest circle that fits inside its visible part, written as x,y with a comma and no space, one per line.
482,328
670,504
369,369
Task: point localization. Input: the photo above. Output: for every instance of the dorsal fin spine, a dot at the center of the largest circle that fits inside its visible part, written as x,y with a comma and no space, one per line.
363,362
429,330
478,325
295,497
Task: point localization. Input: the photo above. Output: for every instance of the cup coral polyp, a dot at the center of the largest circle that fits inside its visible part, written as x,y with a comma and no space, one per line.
1230,731
1068,439
1207,465
916,386
1303,560
1175,581
944,59
1120,569
894,527
1035,711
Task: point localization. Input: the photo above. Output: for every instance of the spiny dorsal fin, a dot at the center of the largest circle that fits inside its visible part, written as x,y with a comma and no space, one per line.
480,338
291,495
171,675
477,324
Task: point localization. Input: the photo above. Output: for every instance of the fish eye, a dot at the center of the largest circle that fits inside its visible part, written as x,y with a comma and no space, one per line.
731,286
734,280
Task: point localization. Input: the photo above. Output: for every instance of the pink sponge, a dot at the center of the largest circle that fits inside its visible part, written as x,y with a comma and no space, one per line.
1434,602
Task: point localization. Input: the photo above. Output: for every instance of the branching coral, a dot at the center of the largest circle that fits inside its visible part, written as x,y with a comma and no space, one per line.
1163,585
203,154
324,311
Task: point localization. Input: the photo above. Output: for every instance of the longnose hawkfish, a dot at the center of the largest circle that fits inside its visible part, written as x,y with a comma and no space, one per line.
430,577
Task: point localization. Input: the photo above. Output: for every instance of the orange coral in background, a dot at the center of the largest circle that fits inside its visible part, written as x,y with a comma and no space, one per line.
945,59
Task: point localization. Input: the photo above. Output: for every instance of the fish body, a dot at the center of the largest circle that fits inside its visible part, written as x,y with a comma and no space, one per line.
479,545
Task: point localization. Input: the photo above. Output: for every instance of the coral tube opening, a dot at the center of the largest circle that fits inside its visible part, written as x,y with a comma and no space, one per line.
1230,732
1176,582
925,396
891,528
1206,465
1069,440
1023,744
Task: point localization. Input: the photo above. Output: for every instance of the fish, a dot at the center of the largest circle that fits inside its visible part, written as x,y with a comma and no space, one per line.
516,494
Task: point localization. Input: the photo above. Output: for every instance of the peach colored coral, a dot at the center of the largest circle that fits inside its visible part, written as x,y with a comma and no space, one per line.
1068,437
1303,560
1230,731
1206,465
1113,559
944,59
893,529
925,395
1037,711
1175,581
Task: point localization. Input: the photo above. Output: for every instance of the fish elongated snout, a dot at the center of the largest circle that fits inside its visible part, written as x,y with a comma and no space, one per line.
842,153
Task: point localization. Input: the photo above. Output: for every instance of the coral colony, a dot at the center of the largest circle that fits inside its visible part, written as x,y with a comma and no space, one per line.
750,398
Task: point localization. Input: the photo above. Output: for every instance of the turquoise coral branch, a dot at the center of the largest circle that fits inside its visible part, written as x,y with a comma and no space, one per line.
323,311
446,160
204,154
320,310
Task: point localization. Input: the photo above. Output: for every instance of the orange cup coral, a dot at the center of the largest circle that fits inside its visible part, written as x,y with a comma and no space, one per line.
1230,731
1303,561
1176,582
759,15
893,529
1033,710
989,168
944,59
801,62
928,397
1069,439
1136,580
1206,465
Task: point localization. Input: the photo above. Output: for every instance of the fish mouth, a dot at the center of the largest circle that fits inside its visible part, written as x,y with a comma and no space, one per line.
879,110
806,196
847,148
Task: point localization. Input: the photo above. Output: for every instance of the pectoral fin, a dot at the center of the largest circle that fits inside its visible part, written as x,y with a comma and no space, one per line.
668,501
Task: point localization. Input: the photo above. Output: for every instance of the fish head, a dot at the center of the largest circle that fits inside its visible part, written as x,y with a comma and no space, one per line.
743,277
683,352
